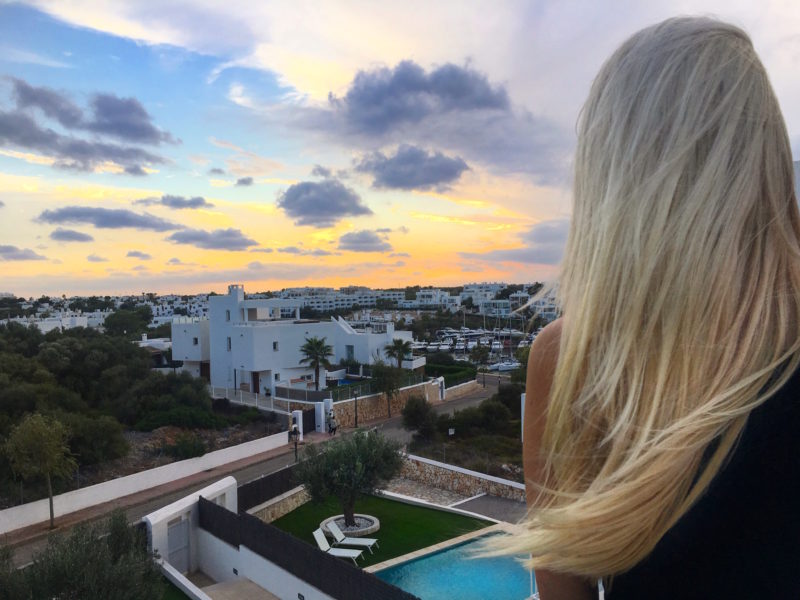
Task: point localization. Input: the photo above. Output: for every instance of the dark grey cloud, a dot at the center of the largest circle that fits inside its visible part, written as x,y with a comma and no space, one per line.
219,239
381,99
121,118
544,244
2,204
106,218
174,261
177,202
20,130
10,253
455,109
216,171
244,181
320,171
364,241
52,103
304,252
125,119
138,254
264,250
412,168
135,170
70,235
321,204
96,259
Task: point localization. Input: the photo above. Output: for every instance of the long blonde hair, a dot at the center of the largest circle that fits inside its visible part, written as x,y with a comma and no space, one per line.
680,290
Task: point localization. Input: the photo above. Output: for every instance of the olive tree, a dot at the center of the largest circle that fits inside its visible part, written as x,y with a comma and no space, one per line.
349,468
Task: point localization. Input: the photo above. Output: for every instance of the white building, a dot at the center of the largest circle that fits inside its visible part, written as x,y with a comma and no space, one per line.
59,322
481,292
254,344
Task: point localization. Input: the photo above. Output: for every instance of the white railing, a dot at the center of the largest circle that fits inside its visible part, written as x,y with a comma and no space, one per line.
244,398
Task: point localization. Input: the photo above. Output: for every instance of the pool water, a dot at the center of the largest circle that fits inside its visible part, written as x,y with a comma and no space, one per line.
453,573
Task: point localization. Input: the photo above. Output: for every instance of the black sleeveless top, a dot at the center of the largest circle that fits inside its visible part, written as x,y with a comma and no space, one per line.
741,540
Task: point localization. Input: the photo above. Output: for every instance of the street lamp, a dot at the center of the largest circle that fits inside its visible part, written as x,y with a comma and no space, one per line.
356,405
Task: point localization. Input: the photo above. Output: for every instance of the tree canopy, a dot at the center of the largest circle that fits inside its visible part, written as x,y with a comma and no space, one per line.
348,468
398,350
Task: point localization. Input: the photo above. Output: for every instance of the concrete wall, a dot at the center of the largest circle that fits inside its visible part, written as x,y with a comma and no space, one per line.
223,492
36,512
375,406
281,505
461,481
184,332
459,391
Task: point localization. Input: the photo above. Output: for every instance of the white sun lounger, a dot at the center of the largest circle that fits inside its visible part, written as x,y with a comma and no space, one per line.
339,552
341,540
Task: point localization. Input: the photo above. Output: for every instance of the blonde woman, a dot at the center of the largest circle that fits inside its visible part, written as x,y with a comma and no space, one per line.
662,433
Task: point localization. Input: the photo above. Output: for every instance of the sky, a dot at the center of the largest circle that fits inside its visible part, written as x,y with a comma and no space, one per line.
182,146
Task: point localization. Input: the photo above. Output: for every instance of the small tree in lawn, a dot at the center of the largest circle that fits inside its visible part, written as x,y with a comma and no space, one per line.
349,468
38,447
398,350
316,352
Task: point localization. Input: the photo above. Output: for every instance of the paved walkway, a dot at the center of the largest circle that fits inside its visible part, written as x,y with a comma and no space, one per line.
415,489
501,509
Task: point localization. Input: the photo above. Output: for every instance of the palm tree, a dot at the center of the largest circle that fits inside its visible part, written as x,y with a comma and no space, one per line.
316,352
398,350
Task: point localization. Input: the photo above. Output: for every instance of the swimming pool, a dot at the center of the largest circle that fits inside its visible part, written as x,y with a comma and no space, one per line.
452,573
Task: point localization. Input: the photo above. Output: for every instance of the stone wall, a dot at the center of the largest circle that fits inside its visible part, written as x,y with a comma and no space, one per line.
374,406
278,506
462,481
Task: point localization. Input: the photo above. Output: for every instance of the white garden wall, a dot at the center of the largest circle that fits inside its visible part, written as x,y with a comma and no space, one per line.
31,513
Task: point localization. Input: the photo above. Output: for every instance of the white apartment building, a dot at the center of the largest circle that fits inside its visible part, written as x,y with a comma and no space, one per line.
254,344
495,308
481,292
46,324
329,300
433,298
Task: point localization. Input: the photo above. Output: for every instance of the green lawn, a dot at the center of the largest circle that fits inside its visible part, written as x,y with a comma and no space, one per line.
173,593
404,527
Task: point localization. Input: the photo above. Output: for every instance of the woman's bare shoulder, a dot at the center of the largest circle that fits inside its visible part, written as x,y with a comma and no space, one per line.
544,352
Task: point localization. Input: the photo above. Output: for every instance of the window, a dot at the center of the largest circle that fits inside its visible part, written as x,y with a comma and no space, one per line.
277,376
275,346
229,344
350,352
194,341
227,315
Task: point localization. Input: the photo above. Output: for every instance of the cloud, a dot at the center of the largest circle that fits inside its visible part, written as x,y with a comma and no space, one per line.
10,253
364,241
321,204
70,235
216,171
303,252
320,171
219,239
544,244
121,118
412,168
2,204
106,218
138,254
381,99
244,181
125,119
24,57
454,108
264,250
177,202
177,261
399,255
51,103
96,259
20,130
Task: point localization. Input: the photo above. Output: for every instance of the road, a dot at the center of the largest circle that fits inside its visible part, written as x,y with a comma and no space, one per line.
136,508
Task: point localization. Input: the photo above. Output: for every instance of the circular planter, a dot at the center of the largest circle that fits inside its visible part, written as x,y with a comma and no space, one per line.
366,525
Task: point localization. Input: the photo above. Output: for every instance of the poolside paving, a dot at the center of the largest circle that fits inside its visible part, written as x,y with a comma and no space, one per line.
415,489
500,509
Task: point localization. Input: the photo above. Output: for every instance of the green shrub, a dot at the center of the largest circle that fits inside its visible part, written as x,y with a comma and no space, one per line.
187,445
419,416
